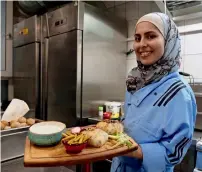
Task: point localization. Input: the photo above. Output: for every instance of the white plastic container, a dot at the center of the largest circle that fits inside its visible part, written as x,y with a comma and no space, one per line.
113,107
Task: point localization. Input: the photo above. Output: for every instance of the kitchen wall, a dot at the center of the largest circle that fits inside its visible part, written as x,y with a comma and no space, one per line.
191,48
131,11
128,10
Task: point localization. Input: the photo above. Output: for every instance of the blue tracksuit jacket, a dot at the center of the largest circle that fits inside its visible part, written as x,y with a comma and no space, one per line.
160,117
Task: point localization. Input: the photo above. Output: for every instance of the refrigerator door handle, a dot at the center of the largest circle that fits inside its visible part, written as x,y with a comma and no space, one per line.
45,81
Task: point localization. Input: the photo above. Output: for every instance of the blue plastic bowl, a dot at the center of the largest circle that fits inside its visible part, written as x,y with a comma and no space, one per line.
46,133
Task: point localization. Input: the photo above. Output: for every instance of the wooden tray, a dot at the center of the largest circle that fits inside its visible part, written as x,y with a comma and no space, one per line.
56,155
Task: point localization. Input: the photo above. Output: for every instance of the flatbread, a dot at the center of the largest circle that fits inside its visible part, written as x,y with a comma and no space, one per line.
16,109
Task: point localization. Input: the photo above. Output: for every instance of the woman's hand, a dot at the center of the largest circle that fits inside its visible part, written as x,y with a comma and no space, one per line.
136,154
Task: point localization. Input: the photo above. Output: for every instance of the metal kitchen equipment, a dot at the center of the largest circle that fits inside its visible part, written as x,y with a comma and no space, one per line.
84,61
198,124
12,143
26,74
191,78
67,60
199,155
26,63
197,88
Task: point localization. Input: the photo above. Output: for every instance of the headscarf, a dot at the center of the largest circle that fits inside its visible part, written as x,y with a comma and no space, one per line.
142,75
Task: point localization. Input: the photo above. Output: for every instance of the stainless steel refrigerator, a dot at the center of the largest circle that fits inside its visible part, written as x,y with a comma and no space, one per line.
82,62
26,63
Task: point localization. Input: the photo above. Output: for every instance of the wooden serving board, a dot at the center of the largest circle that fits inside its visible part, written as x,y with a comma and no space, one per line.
36,156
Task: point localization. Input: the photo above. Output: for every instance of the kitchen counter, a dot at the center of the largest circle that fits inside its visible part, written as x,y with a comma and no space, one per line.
94,120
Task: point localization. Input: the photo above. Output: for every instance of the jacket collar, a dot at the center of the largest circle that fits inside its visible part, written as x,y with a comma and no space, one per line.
141,94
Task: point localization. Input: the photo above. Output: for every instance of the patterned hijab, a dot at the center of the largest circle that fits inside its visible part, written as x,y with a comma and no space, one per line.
142,75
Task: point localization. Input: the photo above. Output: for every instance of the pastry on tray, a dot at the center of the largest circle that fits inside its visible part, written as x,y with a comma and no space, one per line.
110,126
107,133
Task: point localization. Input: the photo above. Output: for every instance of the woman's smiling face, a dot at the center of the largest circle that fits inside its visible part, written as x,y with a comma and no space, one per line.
149,43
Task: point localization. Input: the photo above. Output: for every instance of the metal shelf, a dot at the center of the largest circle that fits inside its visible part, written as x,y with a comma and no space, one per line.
197,94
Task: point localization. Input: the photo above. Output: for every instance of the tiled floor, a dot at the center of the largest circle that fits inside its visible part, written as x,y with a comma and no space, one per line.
17,166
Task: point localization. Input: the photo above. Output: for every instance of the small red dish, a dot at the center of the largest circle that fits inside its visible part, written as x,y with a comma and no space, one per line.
74,148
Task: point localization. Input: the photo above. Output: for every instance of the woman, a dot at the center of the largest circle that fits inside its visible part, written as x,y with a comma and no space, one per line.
160,107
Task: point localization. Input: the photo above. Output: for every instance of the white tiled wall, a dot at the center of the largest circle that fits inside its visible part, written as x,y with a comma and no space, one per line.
120,10
109,4
131,11
144,7
191,50
131,28
193,43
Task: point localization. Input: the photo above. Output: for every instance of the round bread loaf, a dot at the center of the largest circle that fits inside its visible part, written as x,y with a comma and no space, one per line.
2,126
30,121
6,123
15,124
22,120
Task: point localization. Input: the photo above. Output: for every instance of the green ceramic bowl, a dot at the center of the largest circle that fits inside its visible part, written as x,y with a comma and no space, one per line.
46,133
